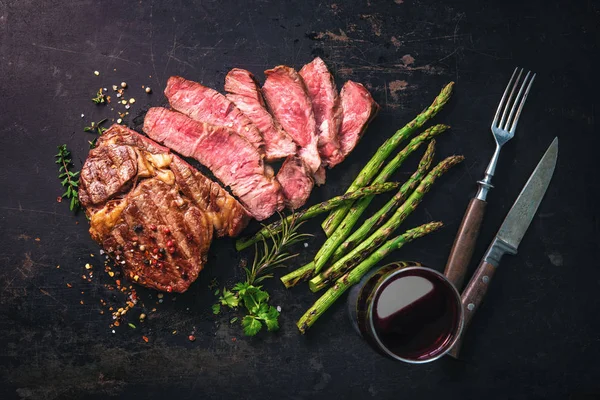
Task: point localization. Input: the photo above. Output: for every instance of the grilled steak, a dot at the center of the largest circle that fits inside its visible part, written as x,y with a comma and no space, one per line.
288,100
207,105
327,109
244,92
140,197
359,109
231,158
295,180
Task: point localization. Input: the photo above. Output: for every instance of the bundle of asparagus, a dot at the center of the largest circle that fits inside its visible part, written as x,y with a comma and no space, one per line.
352,254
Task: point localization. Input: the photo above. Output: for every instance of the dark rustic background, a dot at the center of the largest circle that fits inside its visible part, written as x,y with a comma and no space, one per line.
537,336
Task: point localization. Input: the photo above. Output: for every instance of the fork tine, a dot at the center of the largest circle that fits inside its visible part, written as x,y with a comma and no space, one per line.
514,123
502,123
504,97
515,105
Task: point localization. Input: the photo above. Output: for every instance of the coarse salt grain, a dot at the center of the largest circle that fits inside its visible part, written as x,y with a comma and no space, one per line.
119,121
148,89
278,308
132,100
96,73
305,244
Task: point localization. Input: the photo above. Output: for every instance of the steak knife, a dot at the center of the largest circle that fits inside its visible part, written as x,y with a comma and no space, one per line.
508,237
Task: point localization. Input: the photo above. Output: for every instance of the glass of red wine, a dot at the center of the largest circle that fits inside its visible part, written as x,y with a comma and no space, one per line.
407,312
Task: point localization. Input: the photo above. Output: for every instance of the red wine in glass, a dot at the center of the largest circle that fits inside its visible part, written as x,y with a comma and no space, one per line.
408,312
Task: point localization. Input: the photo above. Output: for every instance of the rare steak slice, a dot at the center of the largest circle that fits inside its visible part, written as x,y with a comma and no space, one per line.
244,92
286,96
207,105
230,157
295,180
160,238
358,109
327,109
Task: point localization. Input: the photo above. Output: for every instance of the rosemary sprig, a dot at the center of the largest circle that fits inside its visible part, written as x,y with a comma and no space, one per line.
272,254
97,128
69,179
100,97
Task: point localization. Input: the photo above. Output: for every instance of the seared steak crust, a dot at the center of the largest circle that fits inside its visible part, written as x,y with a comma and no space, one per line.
153,212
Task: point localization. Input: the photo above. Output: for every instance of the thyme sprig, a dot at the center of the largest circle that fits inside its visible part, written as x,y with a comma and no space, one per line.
100,97
95,127
69,179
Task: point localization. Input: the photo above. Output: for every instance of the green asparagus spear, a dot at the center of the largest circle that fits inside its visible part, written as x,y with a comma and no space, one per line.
374,165
352,277
345,228
297,276
306,272
380,235
386,211
315,210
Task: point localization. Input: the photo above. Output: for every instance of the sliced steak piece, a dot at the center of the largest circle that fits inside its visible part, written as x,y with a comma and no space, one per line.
327,109
123,157
150,217
207,105
359,109
243,90
231,158
295,180
288,100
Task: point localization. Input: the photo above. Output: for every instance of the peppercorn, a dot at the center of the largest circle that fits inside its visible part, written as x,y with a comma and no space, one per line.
152,227
166,231
155,250
169,289
169,243
171,250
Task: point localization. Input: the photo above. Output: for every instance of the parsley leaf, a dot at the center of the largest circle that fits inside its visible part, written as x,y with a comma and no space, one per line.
216,308
229,299
251,325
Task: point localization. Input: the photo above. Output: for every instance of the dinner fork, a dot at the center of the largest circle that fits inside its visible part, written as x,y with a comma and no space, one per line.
503,127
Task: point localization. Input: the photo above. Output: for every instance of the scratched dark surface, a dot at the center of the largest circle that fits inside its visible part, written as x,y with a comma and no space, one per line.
536,337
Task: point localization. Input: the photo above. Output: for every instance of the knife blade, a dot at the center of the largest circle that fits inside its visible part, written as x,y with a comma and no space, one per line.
509,236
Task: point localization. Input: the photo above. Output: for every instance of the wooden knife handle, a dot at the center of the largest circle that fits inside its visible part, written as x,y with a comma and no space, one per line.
472,298
464,243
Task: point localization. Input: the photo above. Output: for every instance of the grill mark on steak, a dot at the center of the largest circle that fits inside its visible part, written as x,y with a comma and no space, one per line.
359,109
234,161
244,91
204,104
129,185
295,180
327,109
190,228
285,93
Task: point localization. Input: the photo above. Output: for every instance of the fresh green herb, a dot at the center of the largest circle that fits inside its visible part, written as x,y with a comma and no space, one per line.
100,97
132,326
272,254
95,127
69,179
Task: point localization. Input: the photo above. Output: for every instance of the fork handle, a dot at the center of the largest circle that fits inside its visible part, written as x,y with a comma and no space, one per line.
464,243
